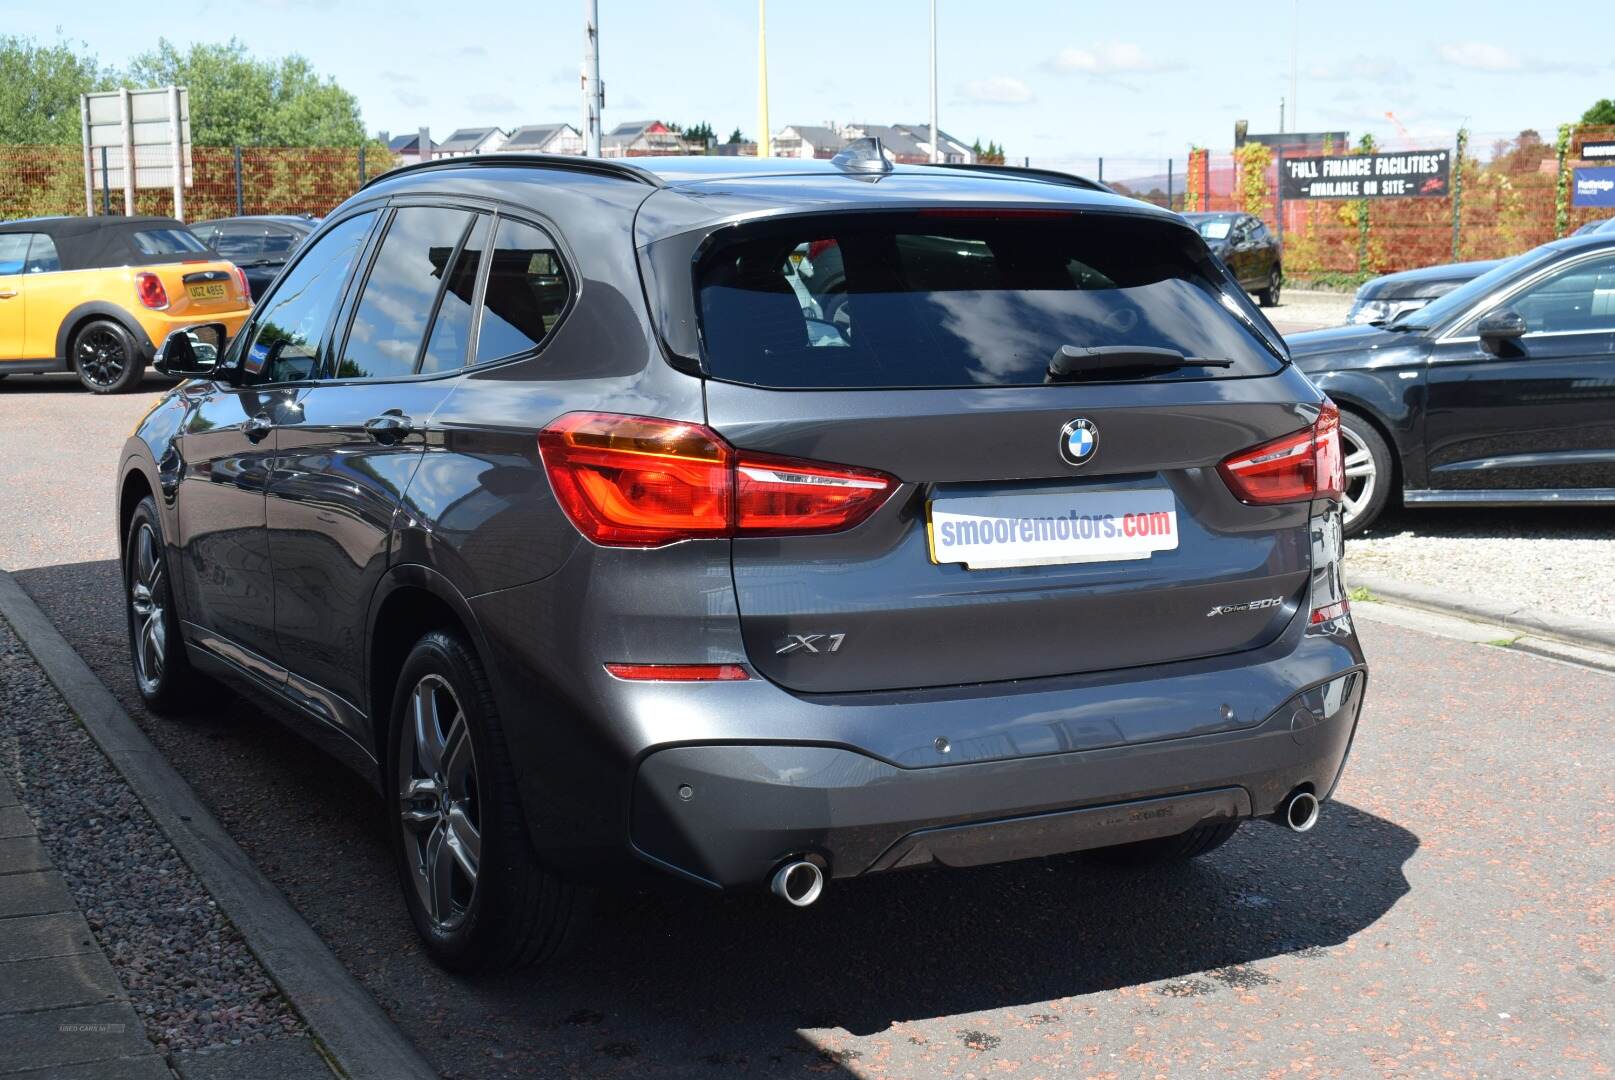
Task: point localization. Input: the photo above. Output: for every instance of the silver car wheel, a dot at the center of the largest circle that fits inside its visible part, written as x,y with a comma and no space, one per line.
439,808
1362,478
148,624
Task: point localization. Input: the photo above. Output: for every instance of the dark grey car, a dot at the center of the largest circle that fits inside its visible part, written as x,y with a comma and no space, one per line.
574,505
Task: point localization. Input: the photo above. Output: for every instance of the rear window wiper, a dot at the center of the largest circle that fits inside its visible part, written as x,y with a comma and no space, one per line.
1078,362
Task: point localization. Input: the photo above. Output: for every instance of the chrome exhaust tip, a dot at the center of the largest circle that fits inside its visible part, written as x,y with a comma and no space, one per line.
798,882
1299,812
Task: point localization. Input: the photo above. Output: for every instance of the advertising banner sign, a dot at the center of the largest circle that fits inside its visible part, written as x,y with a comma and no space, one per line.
1399,175
1593,187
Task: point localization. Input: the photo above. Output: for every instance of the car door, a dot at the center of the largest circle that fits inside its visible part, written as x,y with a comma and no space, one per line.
359,434
13,256
1264,253
228,444
1538,417
1239,251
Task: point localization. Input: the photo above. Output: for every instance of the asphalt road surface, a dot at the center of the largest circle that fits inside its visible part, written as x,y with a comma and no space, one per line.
1453,914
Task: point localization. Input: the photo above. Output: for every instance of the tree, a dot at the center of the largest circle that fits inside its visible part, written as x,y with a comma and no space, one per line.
700,133
39,91
1602,113
736,137
976,150
238,100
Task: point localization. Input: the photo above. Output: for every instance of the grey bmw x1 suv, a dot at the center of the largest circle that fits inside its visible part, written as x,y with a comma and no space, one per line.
765,523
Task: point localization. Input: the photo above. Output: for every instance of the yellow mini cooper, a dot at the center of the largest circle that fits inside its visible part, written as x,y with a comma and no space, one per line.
96,295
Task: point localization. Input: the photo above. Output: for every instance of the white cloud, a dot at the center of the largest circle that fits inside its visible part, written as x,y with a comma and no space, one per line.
492,103
1479,56
997,90
1107,58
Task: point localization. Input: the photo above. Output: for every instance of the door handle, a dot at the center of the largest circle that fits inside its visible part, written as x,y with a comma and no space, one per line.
389,427
7,294
256,427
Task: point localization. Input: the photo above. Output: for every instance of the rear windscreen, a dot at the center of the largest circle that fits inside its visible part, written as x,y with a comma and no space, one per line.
952,298
173,241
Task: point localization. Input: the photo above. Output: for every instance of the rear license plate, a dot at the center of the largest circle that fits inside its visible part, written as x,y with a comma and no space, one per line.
211,291
992,531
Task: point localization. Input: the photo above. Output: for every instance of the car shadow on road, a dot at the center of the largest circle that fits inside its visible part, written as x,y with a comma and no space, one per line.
68,383
676,980
1492,522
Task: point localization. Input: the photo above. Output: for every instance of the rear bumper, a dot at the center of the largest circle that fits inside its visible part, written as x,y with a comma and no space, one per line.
726,815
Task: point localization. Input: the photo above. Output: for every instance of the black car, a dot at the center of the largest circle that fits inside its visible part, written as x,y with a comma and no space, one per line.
1501,393
1386,298
536,490
1248,248
258,244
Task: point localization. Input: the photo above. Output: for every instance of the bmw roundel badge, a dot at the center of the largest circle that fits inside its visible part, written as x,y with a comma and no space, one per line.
1078,441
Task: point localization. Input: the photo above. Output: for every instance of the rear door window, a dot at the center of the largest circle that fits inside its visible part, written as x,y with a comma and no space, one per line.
42,257
401,292
13,252
240,242
964,299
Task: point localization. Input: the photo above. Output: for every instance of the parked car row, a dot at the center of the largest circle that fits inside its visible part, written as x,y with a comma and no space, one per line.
96,295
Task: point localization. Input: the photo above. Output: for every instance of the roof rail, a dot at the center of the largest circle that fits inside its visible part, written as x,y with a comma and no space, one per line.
1052,176
600,166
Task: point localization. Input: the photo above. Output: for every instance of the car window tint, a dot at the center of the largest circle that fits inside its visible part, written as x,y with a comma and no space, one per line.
239,242
1579,297
399,293
914,301
451,330
287,336
527,291
176,241
42,257
278,243
13,252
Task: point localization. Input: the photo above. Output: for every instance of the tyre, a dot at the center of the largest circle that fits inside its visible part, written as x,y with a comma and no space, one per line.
475,890
1269,297
106,358
1169,849
163,673
1370,472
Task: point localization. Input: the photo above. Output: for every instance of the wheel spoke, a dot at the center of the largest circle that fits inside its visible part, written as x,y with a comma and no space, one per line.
1355,471
152,642
458,761
428,735
465,842
440,862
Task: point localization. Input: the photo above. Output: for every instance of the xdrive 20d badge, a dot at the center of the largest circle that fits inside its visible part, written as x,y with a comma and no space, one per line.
699,518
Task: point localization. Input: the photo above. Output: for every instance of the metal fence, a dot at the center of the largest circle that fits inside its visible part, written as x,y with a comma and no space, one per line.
42,180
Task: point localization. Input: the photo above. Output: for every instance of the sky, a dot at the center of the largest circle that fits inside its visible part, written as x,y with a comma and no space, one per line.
1059,83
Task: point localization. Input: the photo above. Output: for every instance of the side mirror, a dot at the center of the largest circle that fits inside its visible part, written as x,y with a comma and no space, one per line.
191,352
1497,327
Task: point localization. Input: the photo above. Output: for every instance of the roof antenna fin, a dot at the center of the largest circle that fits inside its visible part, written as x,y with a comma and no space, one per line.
863,156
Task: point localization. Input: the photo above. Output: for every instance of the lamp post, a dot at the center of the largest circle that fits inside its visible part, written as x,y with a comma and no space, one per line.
936,151
764,142
594,98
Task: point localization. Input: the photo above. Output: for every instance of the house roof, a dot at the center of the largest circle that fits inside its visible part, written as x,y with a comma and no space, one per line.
407,144
467,138
529,135
631,127
922,133
894,138
819,136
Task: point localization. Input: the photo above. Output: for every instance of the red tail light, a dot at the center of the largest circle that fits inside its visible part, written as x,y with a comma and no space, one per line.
149,287
241,280
1294,468
635,481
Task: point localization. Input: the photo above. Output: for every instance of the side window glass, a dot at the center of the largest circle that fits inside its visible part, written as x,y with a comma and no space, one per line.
287,336
42,258
1580,297
527,291
278,244
399,293
451,330
239,243
13,252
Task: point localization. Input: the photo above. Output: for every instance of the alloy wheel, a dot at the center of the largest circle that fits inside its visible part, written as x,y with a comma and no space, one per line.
101,357
439,803
1362,479
148,625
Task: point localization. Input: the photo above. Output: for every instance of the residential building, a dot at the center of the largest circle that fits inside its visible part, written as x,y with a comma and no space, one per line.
642,138
467,142
545,139
807,141
407,148
907,144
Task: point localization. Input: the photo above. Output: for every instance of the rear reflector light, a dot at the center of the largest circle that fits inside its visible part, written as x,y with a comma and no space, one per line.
678,672
635,481
149,288
1294,468
1330,612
